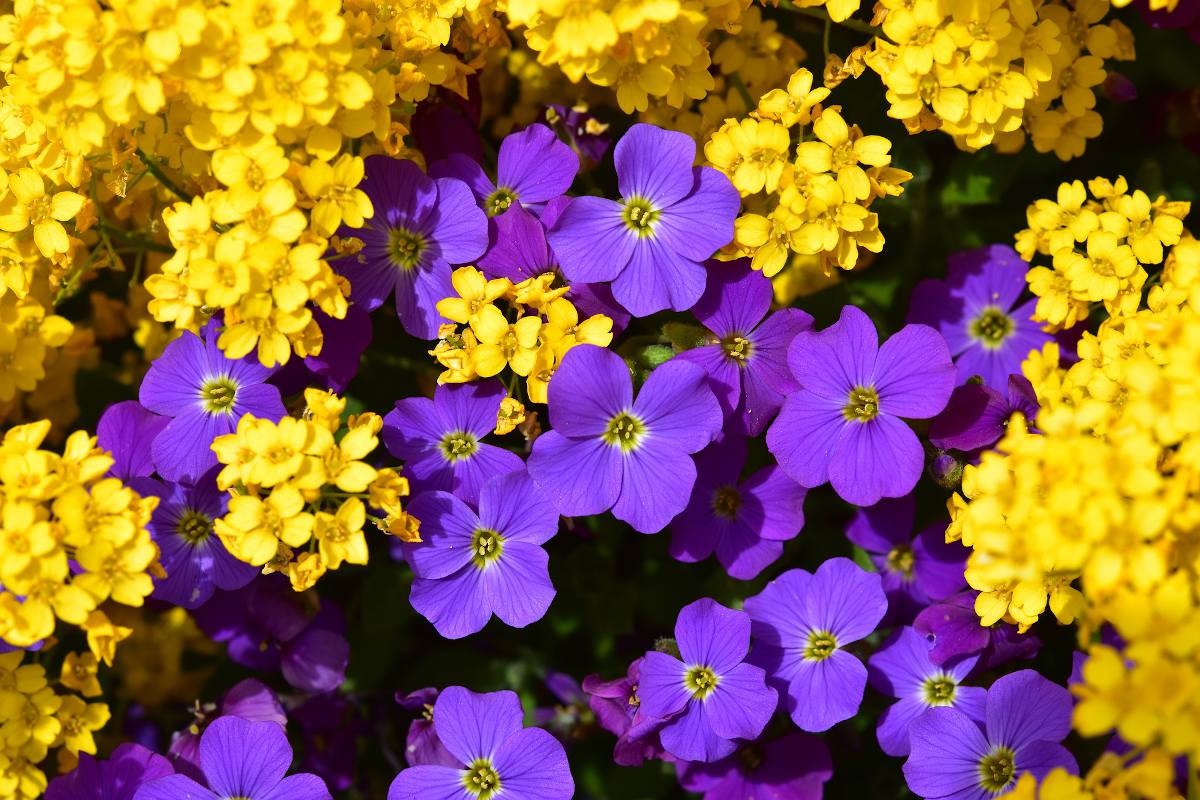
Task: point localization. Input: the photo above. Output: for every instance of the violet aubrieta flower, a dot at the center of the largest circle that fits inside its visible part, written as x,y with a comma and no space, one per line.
249,699
495,756
652,243
844,425
570,713
608,450
585,133
916,569
745,522
243,760
902,669
194,558
127,430
710,696
422,745
746,360
440,440
802,623
421,226
116,778
955,758
532,168
793,767
977,312
977,415
618,709
205,394
469,565
952,629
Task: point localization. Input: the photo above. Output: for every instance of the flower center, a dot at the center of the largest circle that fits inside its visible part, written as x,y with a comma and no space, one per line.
900,559
700,681
481,779
821,645
499,201
862,404
405,247
738,348
991,327
996,770
193,526
939,690
218,395
726,502
486,547
751,757
624,431
459,445
639,216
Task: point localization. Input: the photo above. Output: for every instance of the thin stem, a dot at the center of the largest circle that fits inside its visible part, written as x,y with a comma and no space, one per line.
825,37
155,169
822,14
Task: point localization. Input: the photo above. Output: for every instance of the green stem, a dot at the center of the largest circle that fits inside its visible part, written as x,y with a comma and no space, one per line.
823,15
125,237
155,169
825,37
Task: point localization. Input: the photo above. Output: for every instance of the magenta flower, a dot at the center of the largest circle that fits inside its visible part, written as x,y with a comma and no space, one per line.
441,440
793,767
802,623
608,450
244,760
249,699
710,696
421,227
117,778
952,629
494,755
652,243
747,359
844,425
745,522
977,416
421,744
955,758
618,709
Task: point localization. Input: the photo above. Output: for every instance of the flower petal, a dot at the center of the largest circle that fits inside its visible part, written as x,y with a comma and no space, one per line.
656,278
580,476
454,605
701,223
823,693
591,241
517,586
1024,707
945,750
804,436
913,373
875,459
742,704
429,782
475,725
241,758
590,387
536,165
654,164
677,407
513,506
711,635
656,482
532,763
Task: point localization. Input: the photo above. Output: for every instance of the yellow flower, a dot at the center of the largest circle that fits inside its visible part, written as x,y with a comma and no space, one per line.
502,344
794,105
510,415
840,150
340,536
79,720
79,674
103,636
751,152
475,292
335,190
29,204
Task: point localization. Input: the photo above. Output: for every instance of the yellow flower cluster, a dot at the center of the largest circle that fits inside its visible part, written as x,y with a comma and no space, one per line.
60,510
35,719
994,71
804,192
1099,240
1149,776
483,340
298,484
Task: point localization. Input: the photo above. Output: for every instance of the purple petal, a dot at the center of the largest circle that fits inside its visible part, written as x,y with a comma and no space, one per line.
654,164
804,435
660,686
517,587
414,427
429,782
241,758
590,387
773,504
844,599
934,304
172,384
470,407
771,341
945,750
475,725
520,250
488,461
298,787
656,481
418,291
735,299
127,430
1024,707
591,240
875,459
1040,758
974,417
459,225
823,693
724,374
760,403
536,165
776,613
883,526
892,732
174,787
250,699
678,408
456,605
743,553
532,763
316,660
913,373
953,627
183,450
937,564
260,399
900,667
447,525
401,193
711,635
742,704
837,359
580,476
657,277
992,275
701,223
690,736
465,169
513,506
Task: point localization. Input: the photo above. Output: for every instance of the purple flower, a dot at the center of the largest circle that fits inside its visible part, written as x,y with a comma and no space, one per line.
618,709
532,168
977,415
952,628
902,669
344,342
651,244
802,624
128,430
956,758
205,394
710,695
421,226
915,569
976,311
747,359
440,439
844,426
793,767
470,566
448,123
249,700
117,778
570,714
493,754
422,745
586,134
608,450
244,760
746,521
331,729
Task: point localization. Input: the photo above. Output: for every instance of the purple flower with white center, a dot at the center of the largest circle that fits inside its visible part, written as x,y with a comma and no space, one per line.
205,394
802,623
652,243
243,760
116,778
421,227
249,700
902,669
470,566
952,628
195,560
915,569
127,430
976,310
745,522
977,416
618,709
747,358
955,758
532,168
844,425
422,745
793,767
494,755
441,440
710,695
609,451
